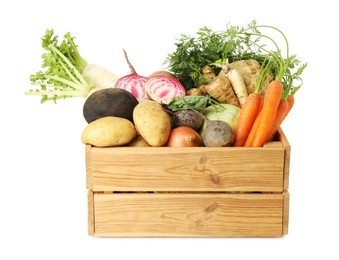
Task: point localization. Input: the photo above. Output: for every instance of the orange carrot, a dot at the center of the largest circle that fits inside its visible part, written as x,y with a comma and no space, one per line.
247,116
281,112
251,135
269,111
284,108
290,100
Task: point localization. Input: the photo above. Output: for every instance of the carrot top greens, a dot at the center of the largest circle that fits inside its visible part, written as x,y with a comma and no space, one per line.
210,47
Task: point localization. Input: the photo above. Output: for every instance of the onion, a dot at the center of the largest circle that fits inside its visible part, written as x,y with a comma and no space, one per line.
183,136
163,89
133,82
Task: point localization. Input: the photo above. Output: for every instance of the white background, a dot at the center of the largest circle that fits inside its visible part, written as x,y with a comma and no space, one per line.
43,209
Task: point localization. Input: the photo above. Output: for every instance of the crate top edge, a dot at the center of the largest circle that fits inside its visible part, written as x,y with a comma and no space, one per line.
282,139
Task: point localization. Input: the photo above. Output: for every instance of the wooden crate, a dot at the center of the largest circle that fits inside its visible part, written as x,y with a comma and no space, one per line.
189,192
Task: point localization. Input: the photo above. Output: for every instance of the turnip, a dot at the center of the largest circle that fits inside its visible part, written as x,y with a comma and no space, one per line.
66,74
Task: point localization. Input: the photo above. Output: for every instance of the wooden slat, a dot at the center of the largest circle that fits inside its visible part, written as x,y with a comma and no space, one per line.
90,201
287,149
191,169
188,215
88,157
286,210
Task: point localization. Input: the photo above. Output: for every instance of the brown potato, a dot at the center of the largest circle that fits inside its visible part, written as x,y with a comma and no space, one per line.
152,123
109,131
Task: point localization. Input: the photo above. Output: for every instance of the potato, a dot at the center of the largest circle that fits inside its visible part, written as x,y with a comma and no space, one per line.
152,123
109,131
138,142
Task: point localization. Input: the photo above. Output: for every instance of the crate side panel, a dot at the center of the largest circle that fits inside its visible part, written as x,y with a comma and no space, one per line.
188,215
88,158
200,169
286,210
90,204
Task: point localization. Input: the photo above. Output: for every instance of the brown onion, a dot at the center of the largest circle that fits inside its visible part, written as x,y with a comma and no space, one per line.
184,136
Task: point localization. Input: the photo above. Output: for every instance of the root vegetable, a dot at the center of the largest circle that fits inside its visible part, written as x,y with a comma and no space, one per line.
238,85
208,73
230,114
109,102
269,111
138,141
220,88
108,131
194,92
133,83
250,70
161,73
281,112
99,76
188,117
66,73
218,134
164,89
246,119
184,136
202,88
152,122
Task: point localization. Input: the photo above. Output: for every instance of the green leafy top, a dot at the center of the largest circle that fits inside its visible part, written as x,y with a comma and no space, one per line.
62,66
234,43
208,48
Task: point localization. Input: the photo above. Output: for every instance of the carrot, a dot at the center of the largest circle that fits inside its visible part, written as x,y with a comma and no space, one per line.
246,118
290,100
281,112
251,135
284,108
269,111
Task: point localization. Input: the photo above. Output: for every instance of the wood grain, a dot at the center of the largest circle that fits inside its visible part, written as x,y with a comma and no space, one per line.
90,201
181,169
286,210
188,215
189,192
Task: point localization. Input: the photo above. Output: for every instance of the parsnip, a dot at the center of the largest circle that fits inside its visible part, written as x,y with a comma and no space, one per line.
220,88
238,84
249,69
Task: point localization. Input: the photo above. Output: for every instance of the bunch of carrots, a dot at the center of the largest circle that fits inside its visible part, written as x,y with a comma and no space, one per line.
260,118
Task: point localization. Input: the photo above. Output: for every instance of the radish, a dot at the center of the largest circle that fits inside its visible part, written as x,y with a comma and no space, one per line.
133,82
66,74
163,89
